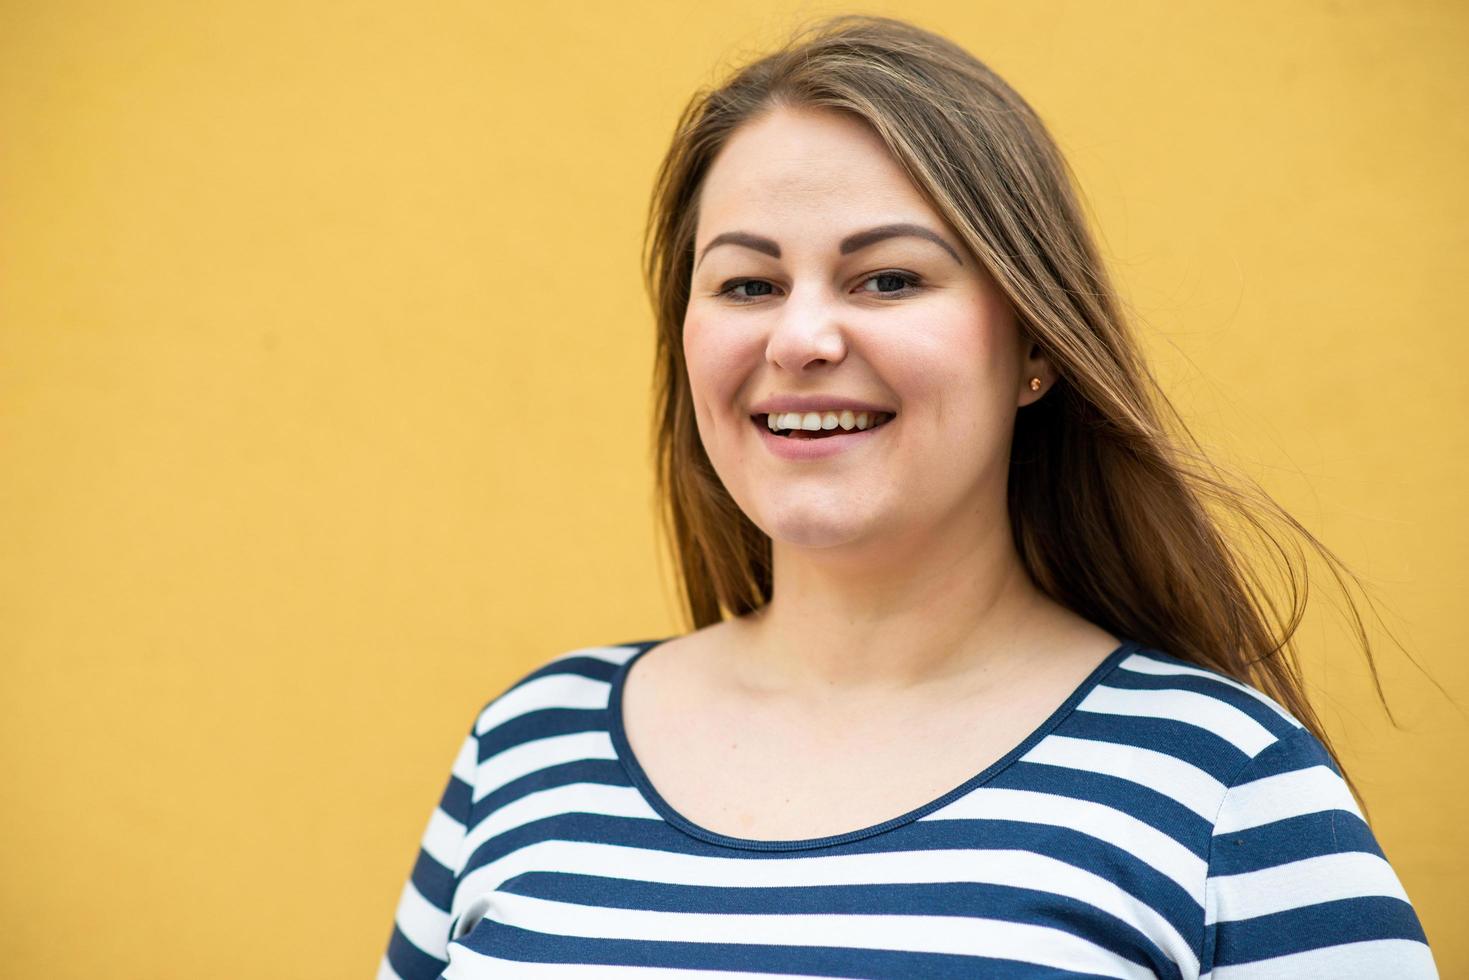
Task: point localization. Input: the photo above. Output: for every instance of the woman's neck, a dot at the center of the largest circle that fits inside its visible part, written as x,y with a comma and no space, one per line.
892,627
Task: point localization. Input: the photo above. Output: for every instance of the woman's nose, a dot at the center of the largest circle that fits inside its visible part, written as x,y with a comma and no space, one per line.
809,330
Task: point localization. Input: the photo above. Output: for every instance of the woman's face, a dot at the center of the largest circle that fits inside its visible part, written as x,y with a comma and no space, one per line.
790,298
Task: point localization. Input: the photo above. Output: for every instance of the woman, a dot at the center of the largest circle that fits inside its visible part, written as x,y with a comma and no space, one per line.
970,688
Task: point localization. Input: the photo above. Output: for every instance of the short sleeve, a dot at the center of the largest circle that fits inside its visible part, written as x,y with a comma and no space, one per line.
418,946
1297,885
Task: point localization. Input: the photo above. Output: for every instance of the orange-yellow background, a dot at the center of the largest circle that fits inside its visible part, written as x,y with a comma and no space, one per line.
324,387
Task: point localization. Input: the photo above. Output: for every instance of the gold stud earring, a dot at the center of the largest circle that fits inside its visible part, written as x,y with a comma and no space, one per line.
1035,384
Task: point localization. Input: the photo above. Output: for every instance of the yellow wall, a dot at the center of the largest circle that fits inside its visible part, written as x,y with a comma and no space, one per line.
324,378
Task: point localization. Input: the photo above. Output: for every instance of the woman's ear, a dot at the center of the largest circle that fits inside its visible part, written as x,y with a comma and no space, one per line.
1036,375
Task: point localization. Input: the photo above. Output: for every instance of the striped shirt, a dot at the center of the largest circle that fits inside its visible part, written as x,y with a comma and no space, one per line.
1165,821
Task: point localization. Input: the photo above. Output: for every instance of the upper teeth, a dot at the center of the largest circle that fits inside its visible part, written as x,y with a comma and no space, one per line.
824,420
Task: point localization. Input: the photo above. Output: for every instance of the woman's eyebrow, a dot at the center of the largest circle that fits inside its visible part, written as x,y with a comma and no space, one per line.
852,243
862,239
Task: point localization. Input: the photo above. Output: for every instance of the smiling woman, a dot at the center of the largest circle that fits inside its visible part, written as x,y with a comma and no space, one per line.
977,685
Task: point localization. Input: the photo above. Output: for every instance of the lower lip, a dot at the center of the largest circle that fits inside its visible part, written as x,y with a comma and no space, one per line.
788,448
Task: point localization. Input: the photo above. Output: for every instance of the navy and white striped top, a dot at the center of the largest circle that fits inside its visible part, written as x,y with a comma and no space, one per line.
1166,821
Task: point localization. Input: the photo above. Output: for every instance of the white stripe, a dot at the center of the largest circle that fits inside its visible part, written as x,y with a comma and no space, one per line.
1129,834
1300,884
1143,664
1282,796
470,965
528,757
425,926
1400,959
548,691
1012,868
941,934
596,798
1200,710
1169,775
442,840
467,761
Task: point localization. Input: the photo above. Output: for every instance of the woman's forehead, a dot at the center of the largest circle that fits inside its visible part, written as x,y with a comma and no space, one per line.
802,159
809,177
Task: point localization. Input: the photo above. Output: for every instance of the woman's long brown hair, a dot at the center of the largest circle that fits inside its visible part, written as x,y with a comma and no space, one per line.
1116,511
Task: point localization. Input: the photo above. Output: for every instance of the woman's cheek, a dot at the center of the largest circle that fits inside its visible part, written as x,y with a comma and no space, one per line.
714,378
719,358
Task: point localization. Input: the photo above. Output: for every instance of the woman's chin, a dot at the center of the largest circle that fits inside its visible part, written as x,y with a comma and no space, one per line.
817,529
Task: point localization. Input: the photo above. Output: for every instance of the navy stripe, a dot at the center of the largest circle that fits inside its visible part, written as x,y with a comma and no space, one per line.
1351,920
1199,747
1293,839
433,881
538,724
1158,810
410,962
456,799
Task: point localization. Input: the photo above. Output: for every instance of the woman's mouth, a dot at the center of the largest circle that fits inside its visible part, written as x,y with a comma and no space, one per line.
792,425
797,443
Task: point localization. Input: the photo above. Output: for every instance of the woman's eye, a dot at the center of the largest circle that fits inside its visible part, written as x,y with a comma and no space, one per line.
891,283
761,289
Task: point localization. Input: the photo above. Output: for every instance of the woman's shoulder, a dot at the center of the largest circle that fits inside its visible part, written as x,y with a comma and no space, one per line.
1153,680
1174,708
570,680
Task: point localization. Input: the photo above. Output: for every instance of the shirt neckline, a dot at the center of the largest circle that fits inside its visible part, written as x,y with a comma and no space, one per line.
634,769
